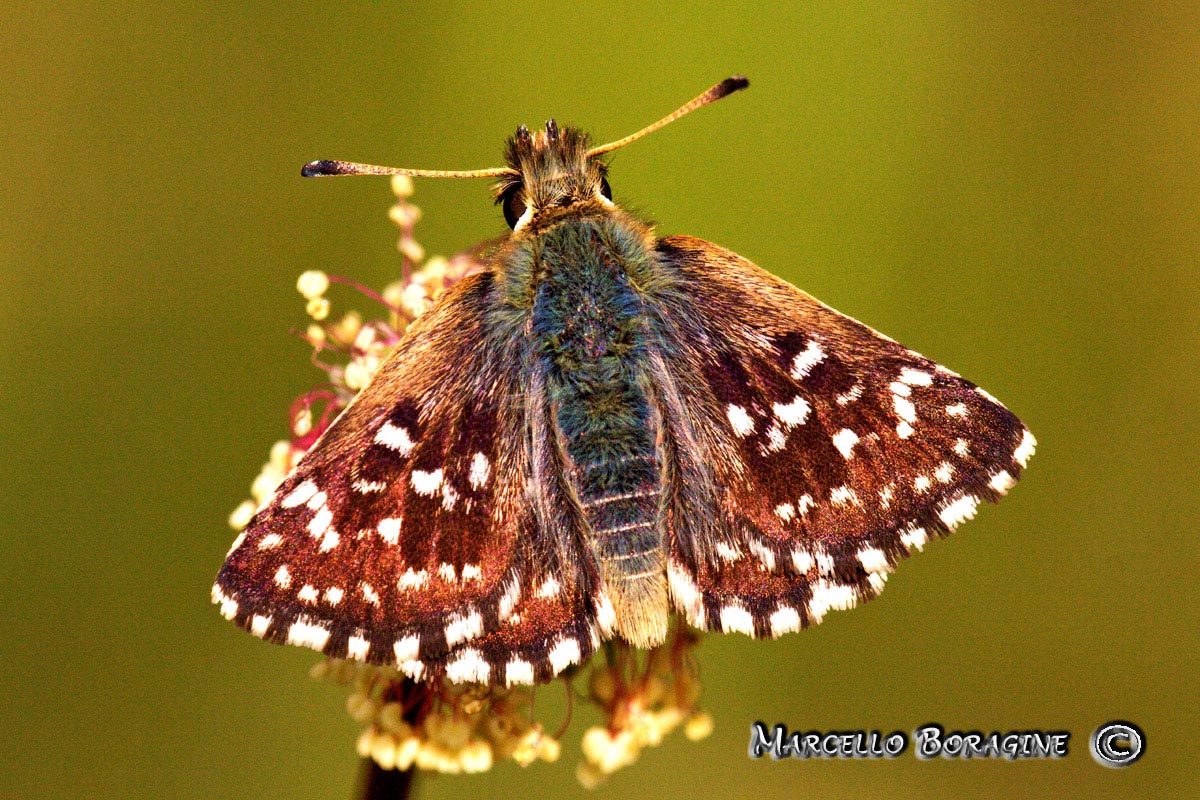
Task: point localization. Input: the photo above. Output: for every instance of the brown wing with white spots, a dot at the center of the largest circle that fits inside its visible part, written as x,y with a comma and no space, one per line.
833,451
406,530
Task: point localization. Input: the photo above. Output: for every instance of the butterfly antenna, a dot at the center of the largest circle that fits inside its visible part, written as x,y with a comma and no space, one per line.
320,169
722,89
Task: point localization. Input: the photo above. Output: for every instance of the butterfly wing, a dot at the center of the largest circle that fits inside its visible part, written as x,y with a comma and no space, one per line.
408,530
831,450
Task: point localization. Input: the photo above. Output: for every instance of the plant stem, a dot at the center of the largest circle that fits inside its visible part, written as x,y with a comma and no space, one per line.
385,784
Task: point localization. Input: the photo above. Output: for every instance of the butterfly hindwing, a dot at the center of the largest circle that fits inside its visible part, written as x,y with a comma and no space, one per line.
830,450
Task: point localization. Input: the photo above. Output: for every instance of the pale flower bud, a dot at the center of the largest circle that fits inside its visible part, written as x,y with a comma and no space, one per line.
241,515
312,284
698,726
402,186
318,308
410,249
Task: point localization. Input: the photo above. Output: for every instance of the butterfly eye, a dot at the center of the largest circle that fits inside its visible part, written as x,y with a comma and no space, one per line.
513,203
605,189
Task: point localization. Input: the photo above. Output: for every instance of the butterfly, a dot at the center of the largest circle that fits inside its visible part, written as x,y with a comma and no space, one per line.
598,430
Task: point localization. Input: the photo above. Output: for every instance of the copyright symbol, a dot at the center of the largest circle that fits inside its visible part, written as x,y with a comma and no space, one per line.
1118,744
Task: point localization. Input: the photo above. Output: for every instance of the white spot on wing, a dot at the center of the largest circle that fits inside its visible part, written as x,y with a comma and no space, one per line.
1002,481
471,572
550,588
957,410
922,483
1025,449
986,394
449,496
480,469
843,495
785,511
850,396
413,669
806,359
413,580
508,601
321,522
914,538
886,494
802,560
462,628
369,593
776,439
735,619
368,487
283,579
357,648
406,649
804,504
564,654
739,420
728,553
426,483
959,510
962,447
904,430
395,437
228,605
334,595
259,625
784,620
793,413
447,573
844,440
308,593
606,615
300,495
330,540
389,530
915,377
944,472
763,553
873,559
685,594
517,671
269,541
308,634
827,596
470,666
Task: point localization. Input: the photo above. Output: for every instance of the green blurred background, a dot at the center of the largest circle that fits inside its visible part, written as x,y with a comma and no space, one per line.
1011,190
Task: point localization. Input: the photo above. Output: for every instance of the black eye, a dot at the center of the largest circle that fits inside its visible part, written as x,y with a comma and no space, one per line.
513,203
605,189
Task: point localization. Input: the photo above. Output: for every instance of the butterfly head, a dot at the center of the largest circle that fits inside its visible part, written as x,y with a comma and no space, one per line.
550,169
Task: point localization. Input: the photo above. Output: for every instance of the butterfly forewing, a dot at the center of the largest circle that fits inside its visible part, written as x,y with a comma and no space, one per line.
398,535
832,450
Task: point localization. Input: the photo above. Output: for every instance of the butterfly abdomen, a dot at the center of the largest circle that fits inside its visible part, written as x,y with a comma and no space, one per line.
591,339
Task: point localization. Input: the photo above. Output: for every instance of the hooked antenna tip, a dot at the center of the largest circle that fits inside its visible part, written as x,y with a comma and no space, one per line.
729,86
317,169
